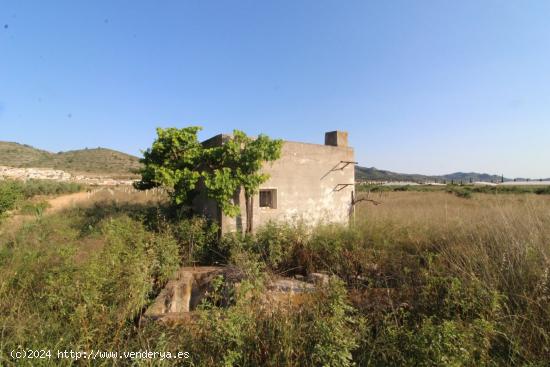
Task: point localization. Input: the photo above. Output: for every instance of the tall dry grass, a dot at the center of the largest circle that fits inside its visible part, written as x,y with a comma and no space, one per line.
499,241
489,236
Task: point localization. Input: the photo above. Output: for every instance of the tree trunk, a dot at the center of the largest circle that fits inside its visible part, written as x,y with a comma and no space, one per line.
249,212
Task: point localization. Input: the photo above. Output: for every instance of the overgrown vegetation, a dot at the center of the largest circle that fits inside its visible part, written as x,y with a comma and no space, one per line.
464,191
426,279
16,194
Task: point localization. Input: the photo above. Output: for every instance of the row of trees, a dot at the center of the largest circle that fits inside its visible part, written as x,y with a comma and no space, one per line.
177,160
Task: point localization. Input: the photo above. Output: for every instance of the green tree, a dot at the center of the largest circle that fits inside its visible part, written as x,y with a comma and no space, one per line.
173,162
178,161
245,156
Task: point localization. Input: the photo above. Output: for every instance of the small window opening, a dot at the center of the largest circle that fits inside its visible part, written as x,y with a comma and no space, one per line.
268,198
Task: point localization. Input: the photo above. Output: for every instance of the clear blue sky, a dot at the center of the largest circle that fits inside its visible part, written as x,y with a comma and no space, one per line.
422,86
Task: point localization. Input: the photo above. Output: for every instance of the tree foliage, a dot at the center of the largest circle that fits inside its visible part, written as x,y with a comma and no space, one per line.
178,161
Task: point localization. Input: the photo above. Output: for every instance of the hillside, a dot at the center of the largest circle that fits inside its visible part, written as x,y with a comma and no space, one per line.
103,161
366,173
20,155
100,161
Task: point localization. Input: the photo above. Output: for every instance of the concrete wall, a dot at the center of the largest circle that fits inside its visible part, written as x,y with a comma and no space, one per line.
309,181
206,206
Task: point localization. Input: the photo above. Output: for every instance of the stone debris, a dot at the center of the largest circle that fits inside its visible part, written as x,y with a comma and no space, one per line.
186,290
318,278
287,285
25,174
102,181
284,292
34,174
183,292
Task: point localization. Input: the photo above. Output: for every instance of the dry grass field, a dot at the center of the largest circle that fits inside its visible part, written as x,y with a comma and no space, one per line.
423,279
522,218
500,241
492,237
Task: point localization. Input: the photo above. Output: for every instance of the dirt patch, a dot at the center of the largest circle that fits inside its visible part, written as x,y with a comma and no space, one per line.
68,201
56,204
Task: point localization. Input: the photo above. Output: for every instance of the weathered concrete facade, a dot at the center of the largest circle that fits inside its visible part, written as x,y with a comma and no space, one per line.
310,182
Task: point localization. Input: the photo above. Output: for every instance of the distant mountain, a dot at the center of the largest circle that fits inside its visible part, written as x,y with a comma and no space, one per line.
365,173
108,162
100,161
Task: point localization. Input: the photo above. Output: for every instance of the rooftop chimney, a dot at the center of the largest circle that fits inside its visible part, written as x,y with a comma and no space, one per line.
336,138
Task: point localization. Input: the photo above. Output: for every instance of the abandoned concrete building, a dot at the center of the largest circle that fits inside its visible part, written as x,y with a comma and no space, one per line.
310,182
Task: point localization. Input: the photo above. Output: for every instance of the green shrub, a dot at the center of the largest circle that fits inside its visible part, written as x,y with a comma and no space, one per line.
32,188
11,194
62,290
385,188
255,332
197,239
461,192
371,188
396,342
487,189
34,208
543,190
276,243
402,188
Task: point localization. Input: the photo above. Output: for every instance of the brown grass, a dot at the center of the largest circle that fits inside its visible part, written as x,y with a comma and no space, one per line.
106,197
474,230
514,219
500,241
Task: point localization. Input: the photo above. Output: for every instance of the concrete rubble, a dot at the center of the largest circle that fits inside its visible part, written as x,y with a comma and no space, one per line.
186,290
183,292
318,278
